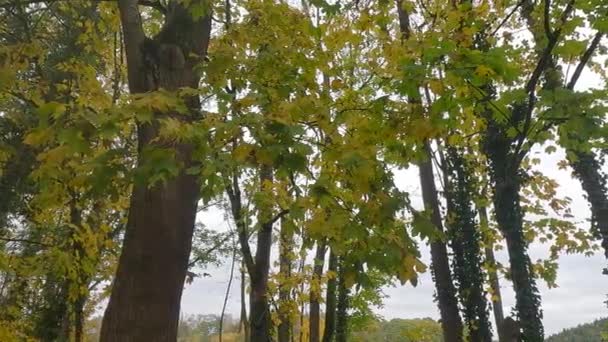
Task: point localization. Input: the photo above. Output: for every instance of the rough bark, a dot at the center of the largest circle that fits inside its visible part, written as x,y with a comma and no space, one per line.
145,300
330,300
451,322
315,294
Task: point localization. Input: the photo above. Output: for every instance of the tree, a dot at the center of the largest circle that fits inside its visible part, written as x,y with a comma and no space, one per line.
56,223
465,238
161,218
446,293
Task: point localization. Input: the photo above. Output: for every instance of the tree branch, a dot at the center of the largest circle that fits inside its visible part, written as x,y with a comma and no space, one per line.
547,19
211,250
32,242
507,17
234,195
278,216
134,37
546,55
585,59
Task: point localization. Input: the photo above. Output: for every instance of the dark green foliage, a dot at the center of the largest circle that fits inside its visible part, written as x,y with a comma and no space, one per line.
465,242
589,332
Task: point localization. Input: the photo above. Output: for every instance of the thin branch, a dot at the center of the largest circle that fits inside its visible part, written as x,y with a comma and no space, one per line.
486,98
585,59
546,55
278,216
234,194
211,250
547,19
507,17
32,242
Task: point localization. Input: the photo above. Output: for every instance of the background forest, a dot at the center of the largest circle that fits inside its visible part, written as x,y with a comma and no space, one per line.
126,125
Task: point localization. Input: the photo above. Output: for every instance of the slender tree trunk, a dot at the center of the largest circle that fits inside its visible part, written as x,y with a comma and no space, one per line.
145,300
330,301
285,302
231,277
315,294
302,302
465,240
342,305
83,277
497,308
259,319
244,324
440,265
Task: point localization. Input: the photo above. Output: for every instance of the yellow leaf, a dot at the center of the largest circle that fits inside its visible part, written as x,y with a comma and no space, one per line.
483,71
349,278
337,84
37,136
436,86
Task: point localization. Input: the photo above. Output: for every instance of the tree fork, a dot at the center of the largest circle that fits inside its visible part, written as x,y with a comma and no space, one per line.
145,300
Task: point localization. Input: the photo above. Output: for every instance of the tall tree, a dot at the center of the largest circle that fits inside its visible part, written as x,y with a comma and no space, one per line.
465,240
330,299
161,218
440,264
286,306
492,267
342,303
314,313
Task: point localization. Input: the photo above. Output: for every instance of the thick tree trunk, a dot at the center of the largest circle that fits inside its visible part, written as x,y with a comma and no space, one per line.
330,299
315,294
497,308
510,218
145,300
465,239
509,215
451,323
260,322
79,319
342,305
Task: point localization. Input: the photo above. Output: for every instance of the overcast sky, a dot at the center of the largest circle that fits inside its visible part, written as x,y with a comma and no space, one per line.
578,299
